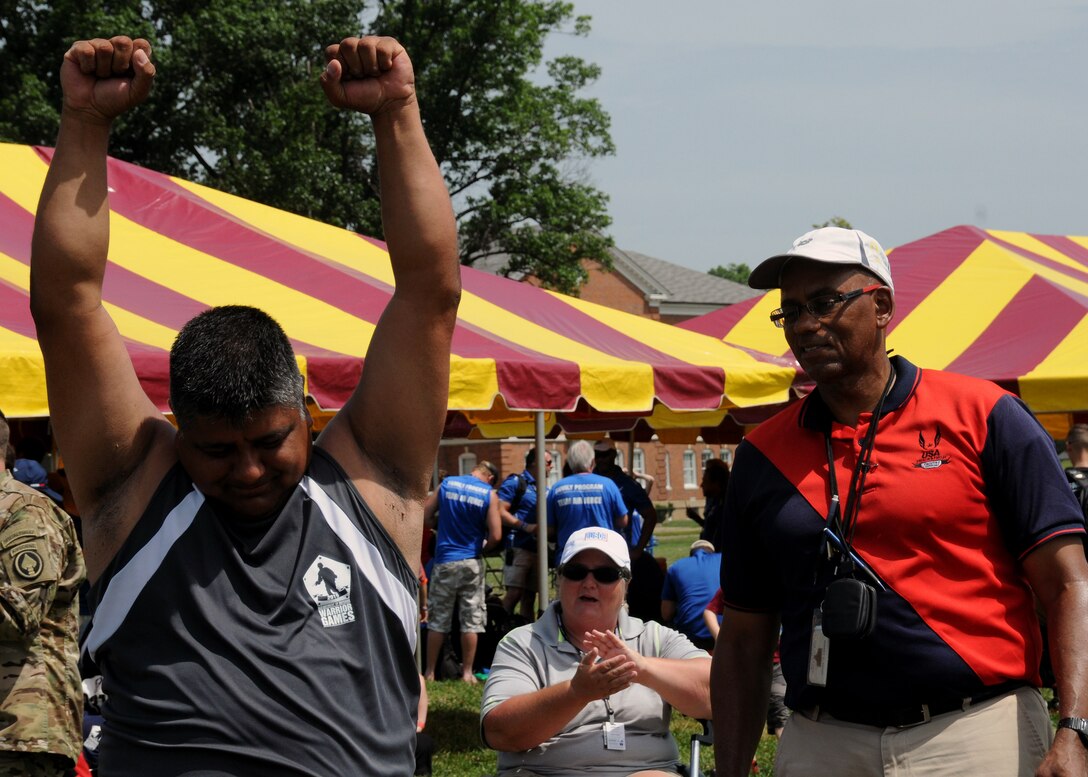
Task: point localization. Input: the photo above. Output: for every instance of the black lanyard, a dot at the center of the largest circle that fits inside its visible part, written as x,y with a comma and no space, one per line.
559,621
845,525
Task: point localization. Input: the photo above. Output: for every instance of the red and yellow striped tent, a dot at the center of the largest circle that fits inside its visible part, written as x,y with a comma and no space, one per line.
178,248
1010,307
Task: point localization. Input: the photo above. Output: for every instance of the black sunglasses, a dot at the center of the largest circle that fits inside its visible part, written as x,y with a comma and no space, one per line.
578,572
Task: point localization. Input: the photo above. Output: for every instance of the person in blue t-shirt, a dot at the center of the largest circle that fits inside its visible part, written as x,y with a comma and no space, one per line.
466,511
583,499
690,584
517,507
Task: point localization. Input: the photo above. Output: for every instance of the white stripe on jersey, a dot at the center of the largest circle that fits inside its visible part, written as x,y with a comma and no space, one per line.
130,580
127,584
393,593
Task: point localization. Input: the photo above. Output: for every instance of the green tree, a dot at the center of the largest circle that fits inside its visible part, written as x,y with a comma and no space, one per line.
732,272
236,107
834,221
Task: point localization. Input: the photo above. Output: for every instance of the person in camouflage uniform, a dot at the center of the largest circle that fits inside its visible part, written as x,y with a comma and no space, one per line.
41,568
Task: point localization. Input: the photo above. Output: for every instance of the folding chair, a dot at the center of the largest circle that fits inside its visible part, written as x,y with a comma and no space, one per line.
697,741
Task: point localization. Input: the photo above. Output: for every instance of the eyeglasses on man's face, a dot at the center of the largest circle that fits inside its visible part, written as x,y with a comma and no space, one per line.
578,572
819,307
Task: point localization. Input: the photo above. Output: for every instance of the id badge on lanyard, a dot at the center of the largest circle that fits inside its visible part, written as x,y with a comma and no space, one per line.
818,650
615,738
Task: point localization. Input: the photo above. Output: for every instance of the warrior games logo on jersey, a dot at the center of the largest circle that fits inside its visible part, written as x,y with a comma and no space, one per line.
931,454
329,584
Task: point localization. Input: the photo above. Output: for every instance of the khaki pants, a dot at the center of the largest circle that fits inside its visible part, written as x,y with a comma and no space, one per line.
523,572
1002,737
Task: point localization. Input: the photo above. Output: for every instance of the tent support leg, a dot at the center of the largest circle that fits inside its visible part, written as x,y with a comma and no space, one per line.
541,517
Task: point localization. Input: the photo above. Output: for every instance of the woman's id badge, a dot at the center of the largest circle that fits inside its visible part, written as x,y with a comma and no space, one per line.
614,737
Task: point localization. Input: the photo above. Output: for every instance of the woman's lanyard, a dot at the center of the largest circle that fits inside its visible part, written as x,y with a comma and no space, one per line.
559,622
839,529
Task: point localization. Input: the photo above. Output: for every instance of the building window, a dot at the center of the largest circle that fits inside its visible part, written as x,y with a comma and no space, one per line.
727,455
619,458
638,461
668,471
691,475
706,456
466,462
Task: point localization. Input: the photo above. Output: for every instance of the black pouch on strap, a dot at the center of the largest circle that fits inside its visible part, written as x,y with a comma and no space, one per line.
849,609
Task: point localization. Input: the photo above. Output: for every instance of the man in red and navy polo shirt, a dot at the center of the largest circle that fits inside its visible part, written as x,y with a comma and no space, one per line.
895,523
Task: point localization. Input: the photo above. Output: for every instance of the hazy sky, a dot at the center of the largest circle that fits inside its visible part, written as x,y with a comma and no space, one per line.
738,125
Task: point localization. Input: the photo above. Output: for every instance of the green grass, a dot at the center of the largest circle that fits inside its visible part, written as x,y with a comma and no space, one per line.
454,717
453,720
674,537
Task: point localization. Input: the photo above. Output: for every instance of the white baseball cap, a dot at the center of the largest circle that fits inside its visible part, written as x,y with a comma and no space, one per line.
832,245
610,543
604,445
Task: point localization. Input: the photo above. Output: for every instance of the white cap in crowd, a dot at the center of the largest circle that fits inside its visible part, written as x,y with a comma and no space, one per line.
610,543
832,245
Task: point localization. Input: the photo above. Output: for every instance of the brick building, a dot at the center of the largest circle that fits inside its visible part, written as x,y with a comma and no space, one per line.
654,288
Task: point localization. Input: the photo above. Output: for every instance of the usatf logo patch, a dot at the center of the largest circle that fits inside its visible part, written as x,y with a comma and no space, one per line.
931,454
329,584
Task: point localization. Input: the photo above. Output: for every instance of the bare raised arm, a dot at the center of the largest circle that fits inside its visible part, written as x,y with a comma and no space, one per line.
388,432
106,427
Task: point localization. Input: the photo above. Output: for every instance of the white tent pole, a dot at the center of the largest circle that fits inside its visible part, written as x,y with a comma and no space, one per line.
541,516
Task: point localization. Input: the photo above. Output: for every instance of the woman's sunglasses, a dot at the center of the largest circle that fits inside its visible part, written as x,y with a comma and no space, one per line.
578,572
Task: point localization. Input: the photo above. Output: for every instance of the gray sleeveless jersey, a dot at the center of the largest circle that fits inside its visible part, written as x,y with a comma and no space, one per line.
279,649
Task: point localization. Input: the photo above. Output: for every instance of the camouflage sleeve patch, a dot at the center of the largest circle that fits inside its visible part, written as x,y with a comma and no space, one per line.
40,571
32,553
29,555
29,565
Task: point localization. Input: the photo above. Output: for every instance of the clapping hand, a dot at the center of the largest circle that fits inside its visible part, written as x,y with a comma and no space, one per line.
610,646
597,678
